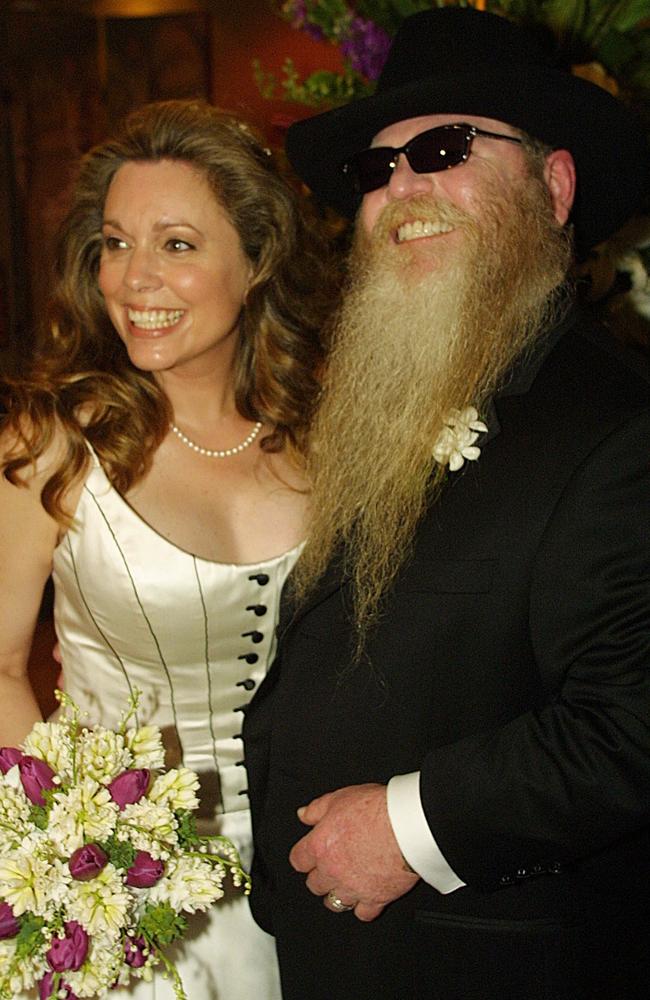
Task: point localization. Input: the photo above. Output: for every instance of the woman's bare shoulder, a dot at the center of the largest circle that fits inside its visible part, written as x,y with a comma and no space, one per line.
36,472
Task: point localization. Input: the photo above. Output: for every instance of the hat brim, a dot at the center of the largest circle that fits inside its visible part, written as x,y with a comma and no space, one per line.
566,112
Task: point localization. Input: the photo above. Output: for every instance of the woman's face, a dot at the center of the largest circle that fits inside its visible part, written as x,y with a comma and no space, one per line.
172,269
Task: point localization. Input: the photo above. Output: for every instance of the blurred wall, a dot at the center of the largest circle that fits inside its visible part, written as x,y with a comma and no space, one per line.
249,29
68,75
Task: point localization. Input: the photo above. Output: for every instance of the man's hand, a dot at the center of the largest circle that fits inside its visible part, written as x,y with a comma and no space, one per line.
352,851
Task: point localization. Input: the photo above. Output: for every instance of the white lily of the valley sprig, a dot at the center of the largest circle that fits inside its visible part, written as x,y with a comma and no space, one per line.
456,440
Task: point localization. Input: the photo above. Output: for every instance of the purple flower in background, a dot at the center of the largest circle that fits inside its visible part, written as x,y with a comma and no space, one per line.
86,862
69,952
129,786
297,11
134,951
8,757
9,926
36,777
145,871
313,31
366,46
46,987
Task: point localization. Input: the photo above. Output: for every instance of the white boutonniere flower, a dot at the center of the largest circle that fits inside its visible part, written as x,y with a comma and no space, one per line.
456,441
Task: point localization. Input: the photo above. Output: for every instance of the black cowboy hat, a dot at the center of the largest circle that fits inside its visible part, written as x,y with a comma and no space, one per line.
456,60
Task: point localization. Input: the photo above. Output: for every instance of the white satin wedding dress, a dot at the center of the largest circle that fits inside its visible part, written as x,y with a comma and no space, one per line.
134,611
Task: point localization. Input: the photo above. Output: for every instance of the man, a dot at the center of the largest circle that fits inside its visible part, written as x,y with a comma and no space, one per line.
449,762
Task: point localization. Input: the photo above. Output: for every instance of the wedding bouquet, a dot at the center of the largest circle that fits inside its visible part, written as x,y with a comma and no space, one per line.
99,858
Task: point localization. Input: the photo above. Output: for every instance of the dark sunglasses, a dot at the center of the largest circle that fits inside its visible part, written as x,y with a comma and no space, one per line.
427,153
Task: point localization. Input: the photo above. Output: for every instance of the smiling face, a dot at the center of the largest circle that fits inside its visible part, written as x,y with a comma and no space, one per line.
172,269
491,162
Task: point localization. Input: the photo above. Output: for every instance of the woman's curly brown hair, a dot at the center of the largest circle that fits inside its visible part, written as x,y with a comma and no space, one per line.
81,365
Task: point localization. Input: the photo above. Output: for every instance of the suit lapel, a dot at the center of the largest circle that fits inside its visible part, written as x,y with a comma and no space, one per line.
523,373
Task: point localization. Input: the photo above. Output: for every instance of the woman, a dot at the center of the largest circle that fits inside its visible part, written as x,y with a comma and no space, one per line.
153,465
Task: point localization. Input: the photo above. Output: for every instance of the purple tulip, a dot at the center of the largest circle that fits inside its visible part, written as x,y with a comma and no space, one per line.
134,952
46,988
8,757
69,952
9,926
129,786
36,777
145,871
86,862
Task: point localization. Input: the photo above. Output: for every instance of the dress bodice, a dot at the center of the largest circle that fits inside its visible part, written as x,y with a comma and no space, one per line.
195,637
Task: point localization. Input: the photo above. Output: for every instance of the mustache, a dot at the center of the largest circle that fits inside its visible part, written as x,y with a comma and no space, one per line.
424,207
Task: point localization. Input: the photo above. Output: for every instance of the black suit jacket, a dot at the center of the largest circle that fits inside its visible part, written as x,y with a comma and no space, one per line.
512,669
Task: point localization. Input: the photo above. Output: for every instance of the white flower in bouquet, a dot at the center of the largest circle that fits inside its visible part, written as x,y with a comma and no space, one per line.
48,742
85,812
15,823
100,904
19,977
176,789
190,884
99,859
148,826
101,754
23,881
57,884
145,746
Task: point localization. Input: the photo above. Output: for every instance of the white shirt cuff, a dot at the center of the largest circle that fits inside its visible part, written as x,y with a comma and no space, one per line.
413,834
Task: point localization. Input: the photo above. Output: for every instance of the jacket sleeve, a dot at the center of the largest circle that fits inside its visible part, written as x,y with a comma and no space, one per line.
561,783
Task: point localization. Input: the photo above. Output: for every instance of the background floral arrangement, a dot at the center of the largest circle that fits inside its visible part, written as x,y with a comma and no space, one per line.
99,858
605,41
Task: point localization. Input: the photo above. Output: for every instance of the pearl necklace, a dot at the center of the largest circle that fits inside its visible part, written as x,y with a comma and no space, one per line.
218,453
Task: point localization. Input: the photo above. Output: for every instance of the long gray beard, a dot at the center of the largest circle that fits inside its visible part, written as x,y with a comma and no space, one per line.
416,338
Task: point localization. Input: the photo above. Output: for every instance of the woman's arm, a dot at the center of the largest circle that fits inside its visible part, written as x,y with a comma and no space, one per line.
28,536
